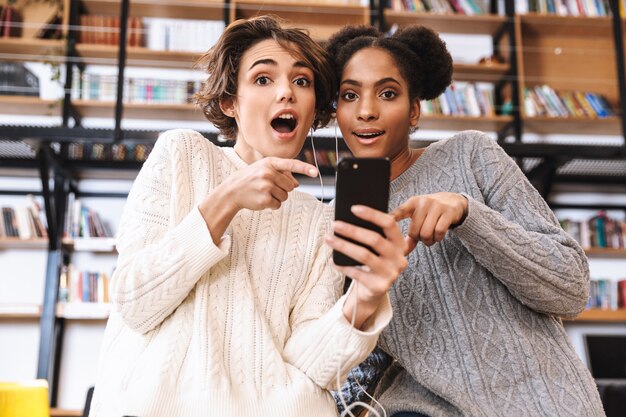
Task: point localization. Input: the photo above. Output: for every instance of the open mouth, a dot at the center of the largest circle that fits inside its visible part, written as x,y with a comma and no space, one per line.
285,123
369,135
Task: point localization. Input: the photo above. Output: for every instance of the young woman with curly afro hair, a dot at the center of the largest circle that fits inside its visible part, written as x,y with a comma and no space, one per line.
477,326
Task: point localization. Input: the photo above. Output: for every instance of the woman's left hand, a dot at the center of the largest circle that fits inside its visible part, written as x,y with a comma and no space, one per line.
380,270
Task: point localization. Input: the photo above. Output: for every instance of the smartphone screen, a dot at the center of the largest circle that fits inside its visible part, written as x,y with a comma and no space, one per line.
363,181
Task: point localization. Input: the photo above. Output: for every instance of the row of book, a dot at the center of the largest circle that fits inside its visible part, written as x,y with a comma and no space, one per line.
27,221
591,8
542,100
83,222
136,90
182,35
160,34
325,158
76,286
105,30
467,7
607,294
462,99
108,152
600,231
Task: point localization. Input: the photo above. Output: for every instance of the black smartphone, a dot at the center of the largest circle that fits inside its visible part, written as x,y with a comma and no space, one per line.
363,181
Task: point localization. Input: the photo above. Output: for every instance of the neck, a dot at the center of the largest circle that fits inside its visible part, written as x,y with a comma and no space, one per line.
402,161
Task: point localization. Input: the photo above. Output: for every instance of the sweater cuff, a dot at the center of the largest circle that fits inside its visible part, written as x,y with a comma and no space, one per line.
472,225
197,244
375,324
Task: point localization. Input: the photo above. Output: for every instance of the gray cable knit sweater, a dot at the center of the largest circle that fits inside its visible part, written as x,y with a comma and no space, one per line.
476,326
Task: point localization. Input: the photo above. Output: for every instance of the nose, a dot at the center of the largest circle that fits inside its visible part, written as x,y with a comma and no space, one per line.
285,93
367,108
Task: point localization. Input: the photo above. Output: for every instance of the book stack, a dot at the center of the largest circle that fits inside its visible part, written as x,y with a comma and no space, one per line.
136,90
600,231
109,152
182,35
83,222
591,8
467,7
10,21
24,222
462,99
542,100
607,294
105,30
83,286
325,158
17,80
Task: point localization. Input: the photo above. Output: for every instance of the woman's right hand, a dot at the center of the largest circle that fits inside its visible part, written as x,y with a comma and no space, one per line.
261,185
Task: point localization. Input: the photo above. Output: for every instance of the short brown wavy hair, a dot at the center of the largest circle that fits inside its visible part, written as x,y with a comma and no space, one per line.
222,63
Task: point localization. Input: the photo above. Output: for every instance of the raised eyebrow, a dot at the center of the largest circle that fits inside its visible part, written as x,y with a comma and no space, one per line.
267,61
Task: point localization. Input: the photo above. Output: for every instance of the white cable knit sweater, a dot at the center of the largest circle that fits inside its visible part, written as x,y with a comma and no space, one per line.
252,327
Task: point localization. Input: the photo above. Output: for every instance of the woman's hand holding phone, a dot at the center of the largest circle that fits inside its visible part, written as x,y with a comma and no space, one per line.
379,270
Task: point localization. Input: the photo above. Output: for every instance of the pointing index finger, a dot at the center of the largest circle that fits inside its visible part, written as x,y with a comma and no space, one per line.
402,212
294,165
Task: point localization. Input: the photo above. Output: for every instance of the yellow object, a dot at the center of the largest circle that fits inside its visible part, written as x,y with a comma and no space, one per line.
24,399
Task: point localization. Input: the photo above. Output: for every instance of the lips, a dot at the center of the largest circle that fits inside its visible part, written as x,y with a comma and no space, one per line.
285,122
367,136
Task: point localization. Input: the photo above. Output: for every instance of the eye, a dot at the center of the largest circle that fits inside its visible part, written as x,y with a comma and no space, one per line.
388,94
262,80
349,96
302,82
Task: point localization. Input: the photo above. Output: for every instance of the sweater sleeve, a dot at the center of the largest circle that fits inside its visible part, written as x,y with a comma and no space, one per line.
161,254
515,236
323,344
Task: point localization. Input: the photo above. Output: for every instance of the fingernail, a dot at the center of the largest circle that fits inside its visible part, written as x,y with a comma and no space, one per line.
357,209
313,171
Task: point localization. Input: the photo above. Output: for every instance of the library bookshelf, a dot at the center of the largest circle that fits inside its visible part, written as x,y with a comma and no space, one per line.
537,50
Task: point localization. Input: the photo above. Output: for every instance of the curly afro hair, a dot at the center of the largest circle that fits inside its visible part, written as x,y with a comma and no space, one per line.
419,53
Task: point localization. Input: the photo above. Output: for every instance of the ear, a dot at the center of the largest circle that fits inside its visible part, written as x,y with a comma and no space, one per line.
414,115
227,105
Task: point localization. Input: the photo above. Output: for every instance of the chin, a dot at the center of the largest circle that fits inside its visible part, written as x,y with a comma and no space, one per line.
366,152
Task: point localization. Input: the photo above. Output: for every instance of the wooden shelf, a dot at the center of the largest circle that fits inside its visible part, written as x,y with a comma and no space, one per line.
30,105
93,244
136,56
176,9
83,311
552,25
20,311
70,311
321,19
17,243
24,49
572,125
140,111
605,253
486,24
479,72
60,412
598,315
487,124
